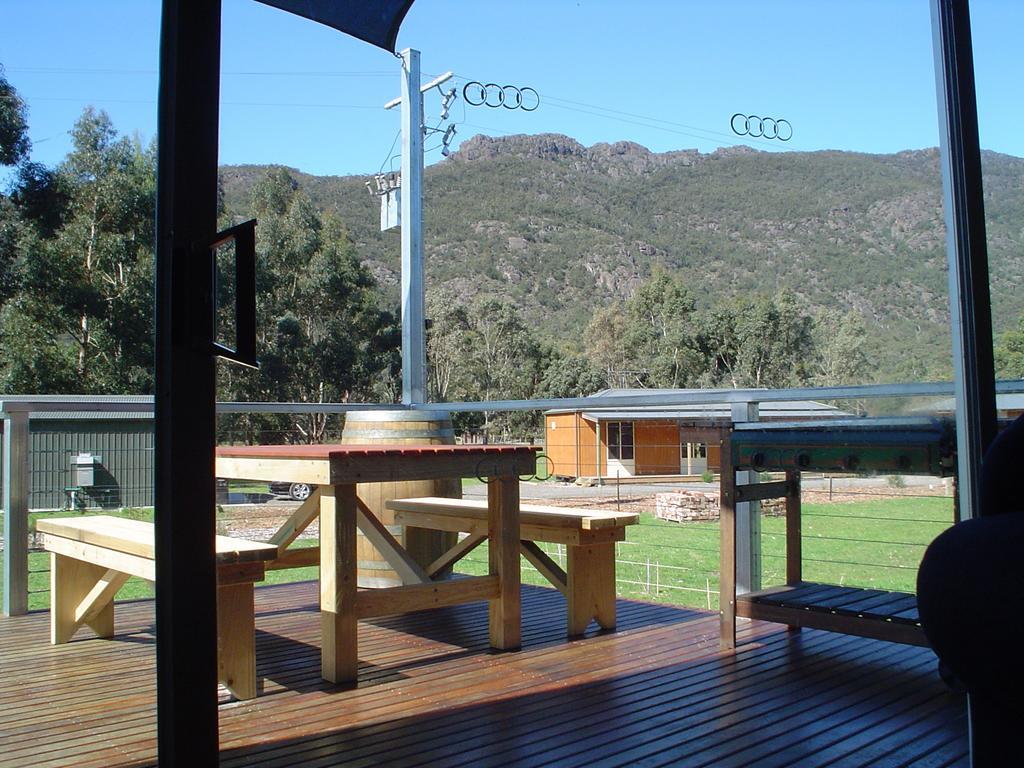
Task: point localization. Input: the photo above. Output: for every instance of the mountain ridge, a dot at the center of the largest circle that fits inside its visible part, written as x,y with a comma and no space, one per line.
561,229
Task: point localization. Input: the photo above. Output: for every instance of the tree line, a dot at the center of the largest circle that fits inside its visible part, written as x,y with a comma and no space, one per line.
76,308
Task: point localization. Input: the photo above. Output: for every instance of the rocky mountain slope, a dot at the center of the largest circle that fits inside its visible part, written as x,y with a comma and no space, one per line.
562,228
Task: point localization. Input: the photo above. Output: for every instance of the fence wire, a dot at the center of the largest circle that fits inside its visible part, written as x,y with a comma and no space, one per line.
857,531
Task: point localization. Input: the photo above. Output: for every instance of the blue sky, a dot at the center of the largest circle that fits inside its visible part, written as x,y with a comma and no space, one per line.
848,74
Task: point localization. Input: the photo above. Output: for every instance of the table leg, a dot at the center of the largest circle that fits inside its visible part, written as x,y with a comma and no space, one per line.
339,651
503,553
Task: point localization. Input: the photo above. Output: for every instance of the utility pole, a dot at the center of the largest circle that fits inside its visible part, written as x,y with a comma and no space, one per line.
414,346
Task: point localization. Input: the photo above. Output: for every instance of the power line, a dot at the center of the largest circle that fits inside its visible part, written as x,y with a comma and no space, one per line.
255,73
306,105
389,156
669,126
558,102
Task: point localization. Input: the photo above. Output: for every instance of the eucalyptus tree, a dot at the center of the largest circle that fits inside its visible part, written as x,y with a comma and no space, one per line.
503,361
570,376
604,342
840,357
14,141
322,335
1009,352
446,344
757,341
660,332
81,319
14,148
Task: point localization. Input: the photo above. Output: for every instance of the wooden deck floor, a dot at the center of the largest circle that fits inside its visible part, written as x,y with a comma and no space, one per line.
657,692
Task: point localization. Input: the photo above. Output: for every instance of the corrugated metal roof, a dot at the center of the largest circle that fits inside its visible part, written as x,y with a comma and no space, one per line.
790,409
143,399
48,406
92,415
1007,401
708,413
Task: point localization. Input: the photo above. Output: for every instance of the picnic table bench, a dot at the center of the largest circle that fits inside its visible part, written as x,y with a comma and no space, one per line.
589,536
92,557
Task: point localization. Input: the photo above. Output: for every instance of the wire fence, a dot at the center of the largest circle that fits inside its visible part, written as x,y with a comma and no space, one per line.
875,542
617,454
858,529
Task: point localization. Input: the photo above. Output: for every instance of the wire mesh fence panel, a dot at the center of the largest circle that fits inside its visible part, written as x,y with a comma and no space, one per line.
873,542
857,530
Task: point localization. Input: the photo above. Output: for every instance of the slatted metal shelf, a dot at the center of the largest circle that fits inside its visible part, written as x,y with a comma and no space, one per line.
872,613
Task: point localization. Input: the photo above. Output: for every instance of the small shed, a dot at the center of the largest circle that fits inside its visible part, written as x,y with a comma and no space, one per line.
83,459
651,440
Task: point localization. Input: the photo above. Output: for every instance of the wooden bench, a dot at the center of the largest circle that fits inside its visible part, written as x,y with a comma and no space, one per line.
588,582
92,557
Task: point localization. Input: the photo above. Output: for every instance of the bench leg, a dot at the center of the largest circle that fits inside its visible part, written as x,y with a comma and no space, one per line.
236,639
81,593
591,586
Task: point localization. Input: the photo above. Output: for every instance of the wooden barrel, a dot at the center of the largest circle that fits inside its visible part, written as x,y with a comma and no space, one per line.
400,428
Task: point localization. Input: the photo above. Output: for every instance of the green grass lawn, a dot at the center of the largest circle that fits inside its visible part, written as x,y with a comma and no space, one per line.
876,544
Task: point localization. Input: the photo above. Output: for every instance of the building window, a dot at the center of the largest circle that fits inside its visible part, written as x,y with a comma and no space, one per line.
620,440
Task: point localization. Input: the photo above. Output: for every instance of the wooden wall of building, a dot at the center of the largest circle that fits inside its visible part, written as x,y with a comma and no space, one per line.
570,443
656,446
714,457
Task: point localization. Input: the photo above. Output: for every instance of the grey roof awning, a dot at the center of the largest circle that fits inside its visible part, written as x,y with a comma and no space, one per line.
375,21
699,412
1005,401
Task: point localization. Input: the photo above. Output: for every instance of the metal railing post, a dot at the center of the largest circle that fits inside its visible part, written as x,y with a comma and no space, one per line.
15,502
748,516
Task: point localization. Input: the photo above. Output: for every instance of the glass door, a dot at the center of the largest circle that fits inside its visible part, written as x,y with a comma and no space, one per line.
621,462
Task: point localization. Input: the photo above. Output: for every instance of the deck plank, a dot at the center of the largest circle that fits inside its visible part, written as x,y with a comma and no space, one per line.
656,692
746,714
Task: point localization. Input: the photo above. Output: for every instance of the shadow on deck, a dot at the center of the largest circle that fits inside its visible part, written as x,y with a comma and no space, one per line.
431,693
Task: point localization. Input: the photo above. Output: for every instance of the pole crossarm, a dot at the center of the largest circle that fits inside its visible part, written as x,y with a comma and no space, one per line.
423,88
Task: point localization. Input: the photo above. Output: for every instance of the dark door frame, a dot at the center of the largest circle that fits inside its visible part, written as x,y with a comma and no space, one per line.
185,402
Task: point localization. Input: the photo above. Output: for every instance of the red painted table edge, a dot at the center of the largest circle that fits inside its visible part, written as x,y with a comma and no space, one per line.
339,451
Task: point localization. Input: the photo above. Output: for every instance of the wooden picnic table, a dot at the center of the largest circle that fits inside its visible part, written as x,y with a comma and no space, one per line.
335,470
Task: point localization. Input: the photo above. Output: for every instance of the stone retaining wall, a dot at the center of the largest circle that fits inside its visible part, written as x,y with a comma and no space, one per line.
681,506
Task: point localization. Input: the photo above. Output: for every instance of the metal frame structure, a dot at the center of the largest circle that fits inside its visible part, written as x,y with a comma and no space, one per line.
18,408
970,308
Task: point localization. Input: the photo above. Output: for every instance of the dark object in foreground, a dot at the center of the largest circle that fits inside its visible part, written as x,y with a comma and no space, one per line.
969,589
